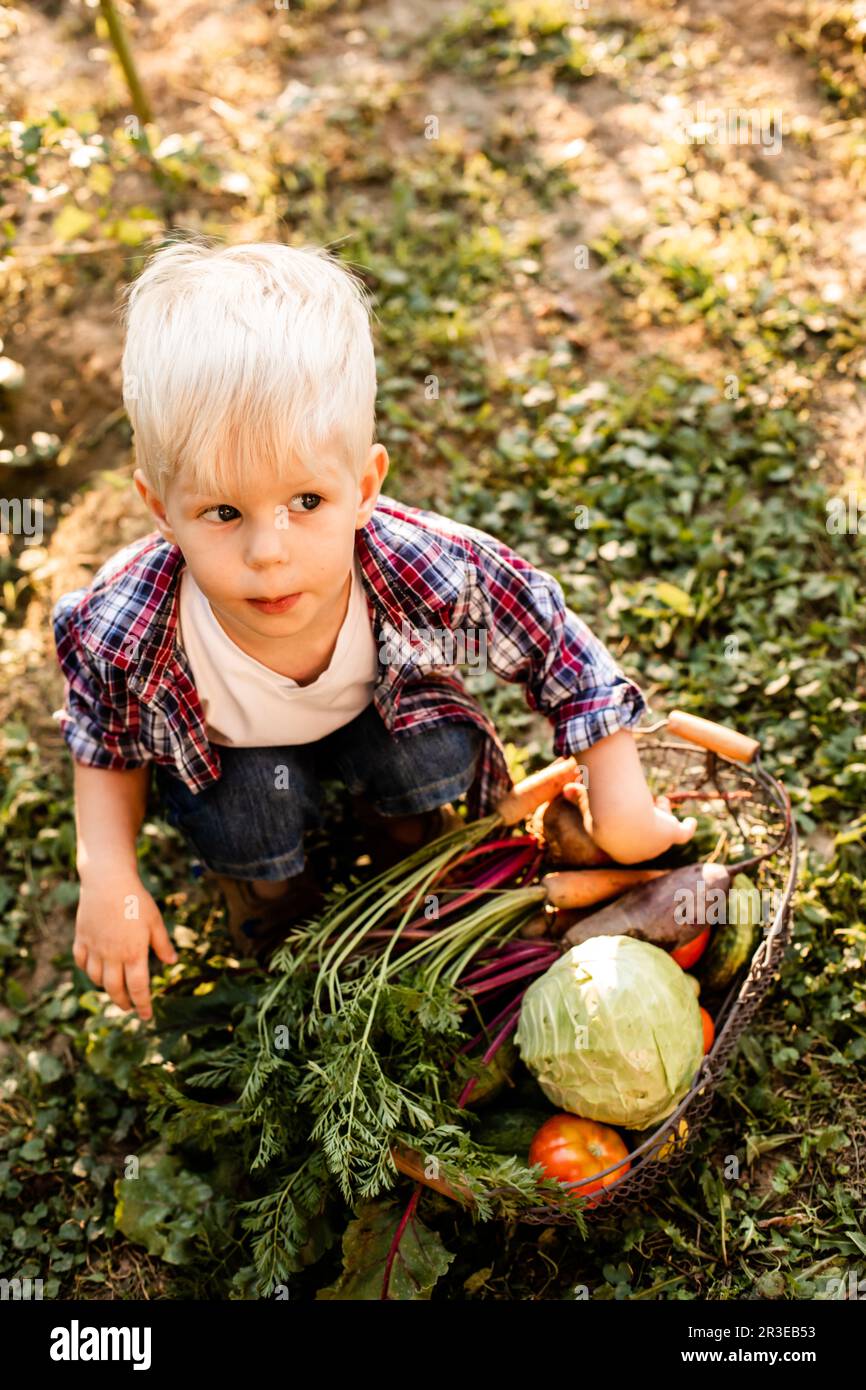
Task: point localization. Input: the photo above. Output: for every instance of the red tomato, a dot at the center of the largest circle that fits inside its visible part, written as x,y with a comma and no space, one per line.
570,1148
692,951
709,1030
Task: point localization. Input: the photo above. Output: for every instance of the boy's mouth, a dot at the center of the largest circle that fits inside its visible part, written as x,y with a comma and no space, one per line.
274,605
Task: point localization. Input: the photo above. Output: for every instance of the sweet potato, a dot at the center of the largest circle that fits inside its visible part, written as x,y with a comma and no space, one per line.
562,830
652,911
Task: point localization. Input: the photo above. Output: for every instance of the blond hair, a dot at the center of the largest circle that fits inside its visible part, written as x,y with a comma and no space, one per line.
242,356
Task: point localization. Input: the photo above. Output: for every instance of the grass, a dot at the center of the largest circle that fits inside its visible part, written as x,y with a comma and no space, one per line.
666,450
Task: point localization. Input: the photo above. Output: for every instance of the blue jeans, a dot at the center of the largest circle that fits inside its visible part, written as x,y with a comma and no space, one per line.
251,823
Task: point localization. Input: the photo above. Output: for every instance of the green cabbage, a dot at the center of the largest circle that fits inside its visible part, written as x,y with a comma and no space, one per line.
612,1032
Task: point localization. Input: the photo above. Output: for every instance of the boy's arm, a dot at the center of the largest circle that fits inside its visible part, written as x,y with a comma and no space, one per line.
533,638
109,810
97,731
571,677
624,820
111,767
117,921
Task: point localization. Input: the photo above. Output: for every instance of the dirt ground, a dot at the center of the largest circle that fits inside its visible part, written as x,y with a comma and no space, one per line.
230,72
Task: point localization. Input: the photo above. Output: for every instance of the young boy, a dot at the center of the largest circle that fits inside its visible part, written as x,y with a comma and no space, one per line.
287,621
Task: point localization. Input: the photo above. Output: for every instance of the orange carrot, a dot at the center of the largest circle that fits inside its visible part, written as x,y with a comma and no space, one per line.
524,796
585,887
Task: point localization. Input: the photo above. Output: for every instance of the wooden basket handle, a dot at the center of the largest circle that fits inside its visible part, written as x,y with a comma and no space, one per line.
411,1164
716,737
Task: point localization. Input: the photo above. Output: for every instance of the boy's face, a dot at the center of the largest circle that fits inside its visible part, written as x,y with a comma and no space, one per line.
275,538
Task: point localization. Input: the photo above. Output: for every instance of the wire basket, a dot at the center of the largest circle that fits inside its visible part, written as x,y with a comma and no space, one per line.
704,766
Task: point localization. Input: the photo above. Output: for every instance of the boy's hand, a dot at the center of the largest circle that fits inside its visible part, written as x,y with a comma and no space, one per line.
117,922
680,831
644,833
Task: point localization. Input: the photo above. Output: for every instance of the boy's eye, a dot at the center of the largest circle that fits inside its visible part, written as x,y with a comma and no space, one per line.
305,495
223,507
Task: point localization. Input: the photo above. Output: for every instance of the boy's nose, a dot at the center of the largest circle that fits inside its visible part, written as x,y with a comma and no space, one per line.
265,546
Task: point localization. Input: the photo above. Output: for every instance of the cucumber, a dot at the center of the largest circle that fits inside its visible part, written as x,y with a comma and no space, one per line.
510,1131
733,943
525,1092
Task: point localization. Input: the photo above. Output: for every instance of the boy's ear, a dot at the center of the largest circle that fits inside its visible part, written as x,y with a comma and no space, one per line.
154,506
370,483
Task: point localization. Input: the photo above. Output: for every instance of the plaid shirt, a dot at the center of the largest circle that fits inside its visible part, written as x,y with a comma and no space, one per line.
433,586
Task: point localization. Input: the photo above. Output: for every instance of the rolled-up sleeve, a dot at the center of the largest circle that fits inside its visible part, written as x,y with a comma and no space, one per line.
97,733
534,638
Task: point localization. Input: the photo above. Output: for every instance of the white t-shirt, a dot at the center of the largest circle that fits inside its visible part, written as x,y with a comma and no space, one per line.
247,705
